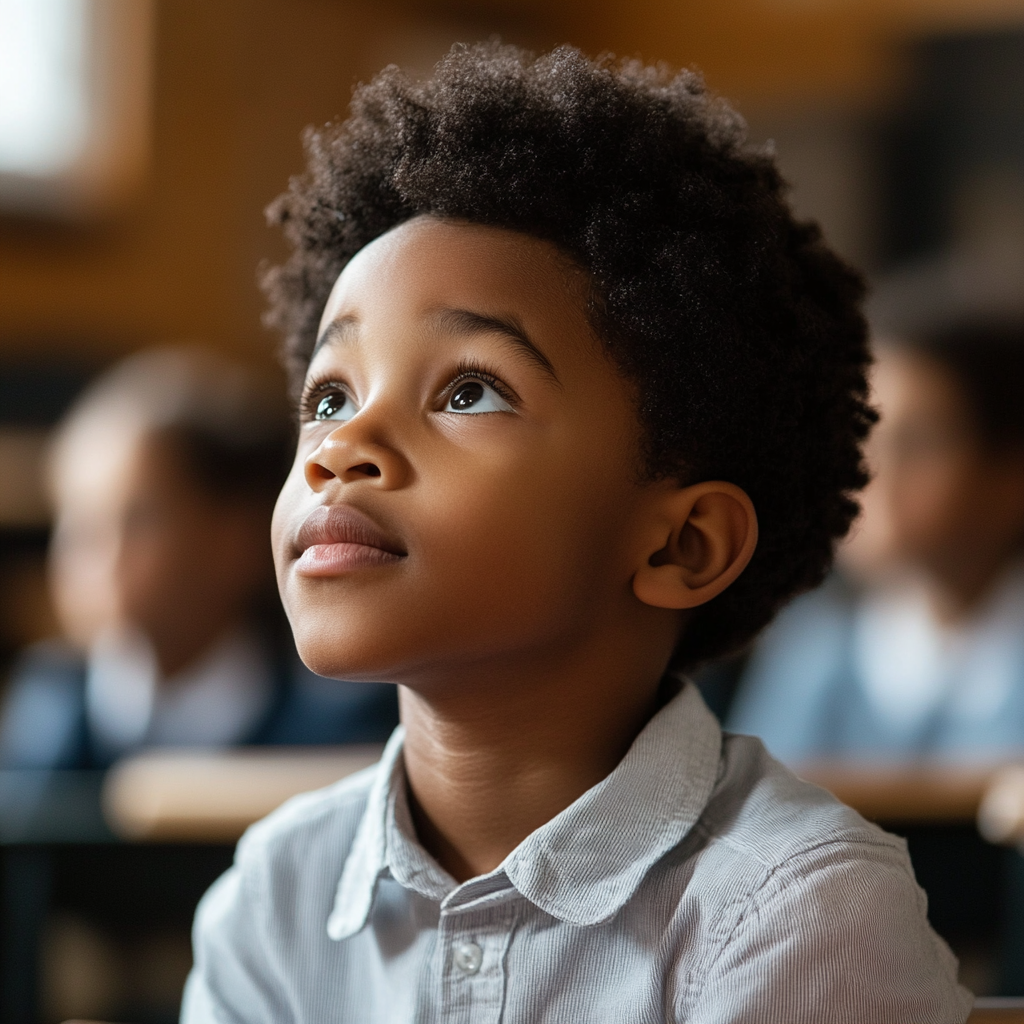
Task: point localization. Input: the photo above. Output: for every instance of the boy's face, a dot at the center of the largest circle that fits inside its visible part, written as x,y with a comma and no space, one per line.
473,491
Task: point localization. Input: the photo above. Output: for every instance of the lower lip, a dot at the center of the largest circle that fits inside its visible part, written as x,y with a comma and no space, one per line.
336,559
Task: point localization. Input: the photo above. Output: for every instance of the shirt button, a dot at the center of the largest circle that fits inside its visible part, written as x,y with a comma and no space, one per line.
468,957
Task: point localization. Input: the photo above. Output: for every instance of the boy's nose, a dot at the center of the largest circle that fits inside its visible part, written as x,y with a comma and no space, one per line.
340,457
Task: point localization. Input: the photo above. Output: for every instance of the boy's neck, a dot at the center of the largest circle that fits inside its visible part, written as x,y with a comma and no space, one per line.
489,763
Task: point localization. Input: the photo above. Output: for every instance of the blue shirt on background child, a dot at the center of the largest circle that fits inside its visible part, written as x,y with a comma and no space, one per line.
871,675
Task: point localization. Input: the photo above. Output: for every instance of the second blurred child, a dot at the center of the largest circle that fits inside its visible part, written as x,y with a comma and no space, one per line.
164,476
919,649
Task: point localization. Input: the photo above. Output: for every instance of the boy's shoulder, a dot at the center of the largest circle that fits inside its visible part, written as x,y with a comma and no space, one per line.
804,903
771,847
763,810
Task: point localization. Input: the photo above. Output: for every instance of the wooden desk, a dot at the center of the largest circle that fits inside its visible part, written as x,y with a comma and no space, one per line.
176,796
918,793
184,811
170,796
39,810
997,1011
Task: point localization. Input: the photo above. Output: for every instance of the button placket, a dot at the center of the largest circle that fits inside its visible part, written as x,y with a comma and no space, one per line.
472,947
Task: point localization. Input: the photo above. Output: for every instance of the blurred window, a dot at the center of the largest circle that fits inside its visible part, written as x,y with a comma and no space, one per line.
74,103
43,86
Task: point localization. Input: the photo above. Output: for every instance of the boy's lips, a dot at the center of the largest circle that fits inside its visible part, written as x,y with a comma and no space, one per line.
338,538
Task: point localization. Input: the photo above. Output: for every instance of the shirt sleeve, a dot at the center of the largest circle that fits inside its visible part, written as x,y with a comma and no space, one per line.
232,980
837,935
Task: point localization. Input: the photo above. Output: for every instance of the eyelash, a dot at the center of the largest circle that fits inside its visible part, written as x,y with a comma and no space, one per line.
314,390
469,371
317,388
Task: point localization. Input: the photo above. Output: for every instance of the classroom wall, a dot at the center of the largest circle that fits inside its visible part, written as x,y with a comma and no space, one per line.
236,80
234,83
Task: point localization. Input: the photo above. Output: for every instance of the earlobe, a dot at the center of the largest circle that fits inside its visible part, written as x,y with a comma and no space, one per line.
707,534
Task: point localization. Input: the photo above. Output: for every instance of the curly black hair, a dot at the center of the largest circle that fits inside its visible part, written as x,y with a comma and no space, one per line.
740,331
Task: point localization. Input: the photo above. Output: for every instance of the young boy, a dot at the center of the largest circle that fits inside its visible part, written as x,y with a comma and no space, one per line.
581,406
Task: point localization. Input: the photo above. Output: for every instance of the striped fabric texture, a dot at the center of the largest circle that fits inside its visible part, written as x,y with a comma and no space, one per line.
700,882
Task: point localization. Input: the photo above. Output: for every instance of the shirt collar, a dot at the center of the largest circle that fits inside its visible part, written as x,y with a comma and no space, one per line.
585,864
367,860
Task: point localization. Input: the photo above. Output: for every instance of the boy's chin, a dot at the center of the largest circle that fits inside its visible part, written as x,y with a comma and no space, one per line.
357,659
339,666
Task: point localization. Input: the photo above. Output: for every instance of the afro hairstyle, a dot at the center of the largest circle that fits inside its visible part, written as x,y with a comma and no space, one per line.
739,330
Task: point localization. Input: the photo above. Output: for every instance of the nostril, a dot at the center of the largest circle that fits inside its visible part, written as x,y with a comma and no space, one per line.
320,472
366,469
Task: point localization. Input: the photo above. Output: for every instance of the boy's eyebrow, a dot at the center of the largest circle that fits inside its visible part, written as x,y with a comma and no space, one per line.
337,330
453,321
466,321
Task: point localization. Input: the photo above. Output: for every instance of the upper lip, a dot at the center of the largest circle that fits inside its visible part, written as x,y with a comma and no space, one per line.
343,524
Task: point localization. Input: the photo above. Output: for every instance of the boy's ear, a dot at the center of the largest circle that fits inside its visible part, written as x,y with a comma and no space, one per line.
700,539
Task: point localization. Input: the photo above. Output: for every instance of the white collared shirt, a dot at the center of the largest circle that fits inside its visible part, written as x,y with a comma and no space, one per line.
699,882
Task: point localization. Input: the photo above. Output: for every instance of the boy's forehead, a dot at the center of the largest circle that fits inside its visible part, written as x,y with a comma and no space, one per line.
428,263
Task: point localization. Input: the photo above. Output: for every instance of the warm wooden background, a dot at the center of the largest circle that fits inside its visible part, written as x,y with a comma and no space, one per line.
236,80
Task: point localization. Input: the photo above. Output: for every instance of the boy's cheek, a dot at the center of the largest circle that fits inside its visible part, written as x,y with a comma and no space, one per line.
286,510
499,547
467,593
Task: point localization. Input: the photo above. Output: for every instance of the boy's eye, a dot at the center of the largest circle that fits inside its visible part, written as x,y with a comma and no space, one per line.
335,406
472,396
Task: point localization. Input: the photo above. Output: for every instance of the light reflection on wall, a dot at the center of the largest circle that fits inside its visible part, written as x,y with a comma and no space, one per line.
74,104
43,85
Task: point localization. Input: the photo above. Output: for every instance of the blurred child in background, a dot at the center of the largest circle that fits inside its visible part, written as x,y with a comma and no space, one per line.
164,476
918,649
